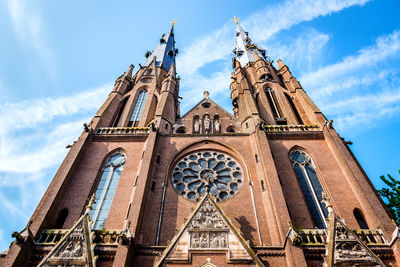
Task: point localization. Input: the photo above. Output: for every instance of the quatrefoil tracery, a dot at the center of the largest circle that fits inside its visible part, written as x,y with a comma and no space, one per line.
214,171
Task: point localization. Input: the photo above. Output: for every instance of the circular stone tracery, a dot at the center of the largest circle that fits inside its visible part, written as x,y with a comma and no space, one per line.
195,172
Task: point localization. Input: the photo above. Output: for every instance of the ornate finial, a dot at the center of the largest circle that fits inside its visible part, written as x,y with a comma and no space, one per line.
173,22
89,206
327,201
235,19
206,94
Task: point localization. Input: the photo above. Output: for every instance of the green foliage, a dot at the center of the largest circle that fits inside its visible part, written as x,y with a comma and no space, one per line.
392,195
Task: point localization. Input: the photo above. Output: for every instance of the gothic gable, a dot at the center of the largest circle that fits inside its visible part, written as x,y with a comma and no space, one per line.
347,247
74,249
207,117
208,230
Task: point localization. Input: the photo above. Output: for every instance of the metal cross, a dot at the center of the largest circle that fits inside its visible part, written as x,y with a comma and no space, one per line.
173,22
236,20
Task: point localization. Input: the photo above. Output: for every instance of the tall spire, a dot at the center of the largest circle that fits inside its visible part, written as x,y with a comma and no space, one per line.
245,49
165,51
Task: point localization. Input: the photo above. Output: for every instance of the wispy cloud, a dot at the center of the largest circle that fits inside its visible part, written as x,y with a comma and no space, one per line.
262,25
17,149
332,78
359,89
282,16
28,25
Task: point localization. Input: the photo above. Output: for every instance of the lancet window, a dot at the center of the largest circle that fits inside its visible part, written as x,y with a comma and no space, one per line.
106,188
138,109
269,92
310,185
296,113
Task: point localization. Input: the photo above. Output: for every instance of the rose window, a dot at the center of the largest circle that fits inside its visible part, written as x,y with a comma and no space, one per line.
198,172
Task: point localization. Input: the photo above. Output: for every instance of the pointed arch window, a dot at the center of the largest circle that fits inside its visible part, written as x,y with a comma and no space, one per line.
360,219
295,111
269,92
138,109
310,185
106,188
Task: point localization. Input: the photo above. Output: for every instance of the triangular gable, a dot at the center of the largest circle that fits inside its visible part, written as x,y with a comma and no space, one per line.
75,248
345,247
207,99
208,230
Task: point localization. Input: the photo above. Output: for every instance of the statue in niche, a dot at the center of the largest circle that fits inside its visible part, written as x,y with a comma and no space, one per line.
197,126
207,124
203,240
217,126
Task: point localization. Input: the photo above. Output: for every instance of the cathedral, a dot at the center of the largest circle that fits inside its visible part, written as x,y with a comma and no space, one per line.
270,184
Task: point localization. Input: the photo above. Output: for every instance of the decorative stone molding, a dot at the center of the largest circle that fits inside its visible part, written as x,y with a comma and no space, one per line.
122,130
74,249
208,230
345,248
291,128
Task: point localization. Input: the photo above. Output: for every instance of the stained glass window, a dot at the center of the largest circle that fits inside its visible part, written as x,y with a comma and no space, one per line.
311,187
138,109
106,189
196,172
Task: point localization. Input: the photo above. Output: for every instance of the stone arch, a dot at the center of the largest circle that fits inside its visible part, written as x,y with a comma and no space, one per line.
181,130
230,129
223,147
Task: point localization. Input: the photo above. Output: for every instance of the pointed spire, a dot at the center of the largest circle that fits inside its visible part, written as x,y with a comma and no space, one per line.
172,71
246,50
129,72
165,51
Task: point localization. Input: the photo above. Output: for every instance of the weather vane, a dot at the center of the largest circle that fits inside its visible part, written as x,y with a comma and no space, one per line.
173,22
236,20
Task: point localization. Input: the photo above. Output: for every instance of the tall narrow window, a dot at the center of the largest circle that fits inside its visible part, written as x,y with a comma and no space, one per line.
120,111
138,109
360,219
272,102
106,189
310,185
296,113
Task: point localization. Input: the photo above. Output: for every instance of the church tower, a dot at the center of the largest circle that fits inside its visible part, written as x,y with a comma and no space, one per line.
271,185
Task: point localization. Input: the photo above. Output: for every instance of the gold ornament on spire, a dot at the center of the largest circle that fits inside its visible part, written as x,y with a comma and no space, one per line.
173,22
236,20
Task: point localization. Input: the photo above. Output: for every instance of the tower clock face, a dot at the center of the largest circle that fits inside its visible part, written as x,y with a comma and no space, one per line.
217,171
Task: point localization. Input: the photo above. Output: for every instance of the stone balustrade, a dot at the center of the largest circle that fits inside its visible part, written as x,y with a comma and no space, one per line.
371,237
50,237
319,237
291,128
122,130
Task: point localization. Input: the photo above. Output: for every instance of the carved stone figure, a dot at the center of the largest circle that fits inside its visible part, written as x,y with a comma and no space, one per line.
207,124
203,240
197,126
217,126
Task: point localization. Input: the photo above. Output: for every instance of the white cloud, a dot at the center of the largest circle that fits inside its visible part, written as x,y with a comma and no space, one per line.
360,89
29,29
302,53
332,78
282,16
16,149
261,25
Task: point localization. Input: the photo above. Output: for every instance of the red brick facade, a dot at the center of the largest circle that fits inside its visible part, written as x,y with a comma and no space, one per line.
270,203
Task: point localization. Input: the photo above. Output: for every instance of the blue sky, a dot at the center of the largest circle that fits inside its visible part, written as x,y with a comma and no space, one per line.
59,60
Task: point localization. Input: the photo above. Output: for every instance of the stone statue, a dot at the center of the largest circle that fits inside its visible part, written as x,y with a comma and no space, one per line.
197,126
217,126
207,123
